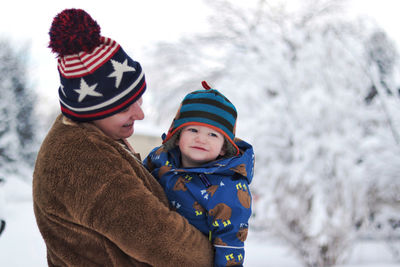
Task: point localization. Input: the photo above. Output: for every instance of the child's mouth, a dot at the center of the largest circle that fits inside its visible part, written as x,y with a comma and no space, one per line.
199,148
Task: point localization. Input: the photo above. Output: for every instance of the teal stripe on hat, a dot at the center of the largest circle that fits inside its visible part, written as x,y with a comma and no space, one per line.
208,118
213,110
211,106
206,100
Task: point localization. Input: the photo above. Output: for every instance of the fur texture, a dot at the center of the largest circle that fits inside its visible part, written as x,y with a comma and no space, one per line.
96,205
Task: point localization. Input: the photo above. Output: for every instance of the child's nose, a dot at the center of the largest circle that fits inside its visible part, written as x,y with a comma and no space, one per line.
200,138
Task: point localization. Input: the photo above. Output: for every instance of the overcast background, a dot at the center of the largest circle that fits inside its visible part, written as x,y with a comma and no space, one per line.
327,145
135,25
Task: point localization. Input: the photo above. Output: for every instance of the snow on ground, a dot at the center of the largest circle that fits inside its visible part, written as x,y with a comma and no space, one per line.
21,244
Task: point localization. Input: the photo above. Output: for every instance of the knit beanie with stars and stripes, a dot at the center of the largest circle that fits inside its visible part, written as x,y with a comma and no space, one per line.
206,108
98,79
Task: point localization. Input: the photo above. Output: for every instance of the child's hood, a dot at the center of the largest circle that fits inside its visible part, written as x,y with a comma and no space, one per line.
241,165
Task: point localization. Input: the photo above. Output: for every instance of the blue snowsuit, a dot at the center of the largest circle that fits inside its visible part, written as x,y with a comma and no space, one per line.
215,197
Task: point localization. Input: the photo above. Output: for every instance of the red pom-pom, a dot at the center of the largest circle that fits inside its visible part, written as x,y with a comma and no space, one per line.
73,31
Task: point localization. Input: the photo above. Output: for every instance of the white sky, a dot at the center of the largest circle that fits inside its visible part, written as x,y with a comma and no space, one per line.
385,12
133,24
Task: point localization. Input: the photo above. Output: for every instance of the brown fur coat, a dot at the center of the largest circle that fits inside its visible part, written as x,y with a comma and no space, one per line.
96,205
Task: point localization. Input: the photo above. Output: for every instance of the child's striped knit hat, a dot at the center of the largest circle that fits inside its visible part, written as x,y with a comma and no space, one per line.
207,108
98,79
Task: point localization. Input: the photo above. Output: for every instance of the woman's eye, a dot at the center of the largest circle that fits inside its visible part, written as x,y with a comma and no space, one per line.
125,110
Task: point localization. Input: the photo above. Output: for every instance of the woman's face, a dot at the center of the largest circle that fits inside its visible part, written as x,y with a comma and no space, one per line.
120,125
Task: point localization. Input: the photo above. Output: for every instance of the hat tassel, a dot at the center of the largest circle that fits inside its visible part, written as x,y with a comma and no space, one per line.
205,85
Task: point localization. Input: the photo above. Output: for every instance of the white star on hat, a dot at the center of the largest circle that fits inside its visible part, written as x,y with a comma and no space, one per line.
119,70
86,90
62,90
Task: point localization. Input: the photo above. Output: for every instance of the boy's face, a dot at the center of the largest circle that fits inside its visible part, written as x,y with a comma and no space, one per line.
199,145
121,125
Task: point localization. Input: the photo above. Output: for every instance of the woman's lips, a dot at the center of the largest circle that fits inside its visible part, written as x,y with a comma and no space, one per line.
128,125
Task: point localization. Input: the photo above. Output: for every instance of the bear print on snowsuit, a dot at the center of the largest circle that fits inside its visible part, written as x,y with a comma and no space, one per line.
221,212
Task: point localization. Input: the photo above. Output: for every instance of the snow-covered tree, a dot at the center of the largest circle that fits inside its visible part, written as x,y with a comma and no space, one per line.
383,166
2,215
299,75
18,142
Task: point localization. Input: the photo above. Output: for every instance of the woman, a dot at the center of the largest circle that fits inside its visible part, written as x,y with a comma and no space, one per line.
94,202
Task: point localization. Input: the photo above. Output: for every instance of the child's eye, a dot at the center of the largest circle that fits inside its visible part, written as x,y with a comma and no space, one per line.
213,135
193,130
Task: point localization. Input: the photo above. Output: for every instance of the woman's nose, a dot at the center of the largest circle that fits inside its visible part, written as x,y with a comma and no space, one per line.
137,111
